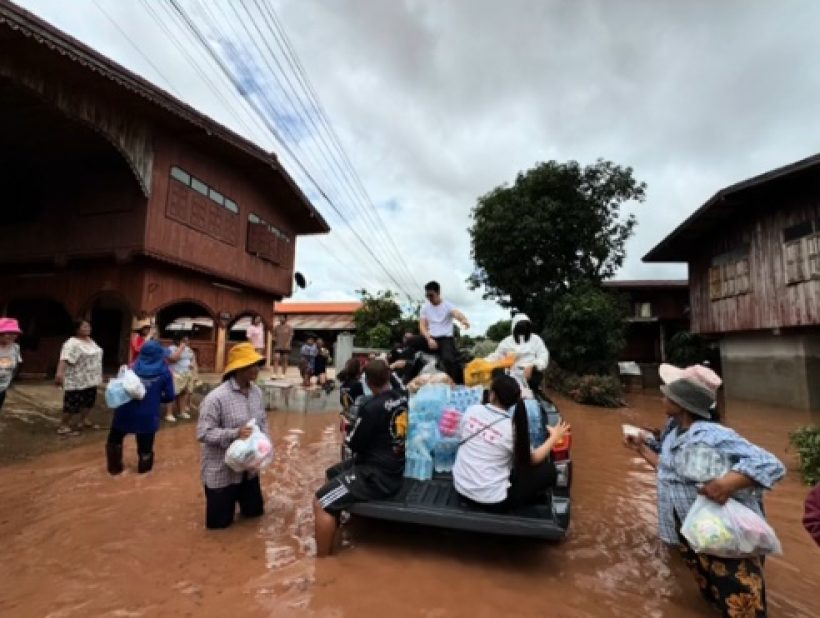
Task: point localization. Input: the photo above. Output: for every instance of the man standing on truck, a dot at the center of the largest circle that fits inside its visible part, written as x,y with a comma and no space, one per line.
377,468
436,326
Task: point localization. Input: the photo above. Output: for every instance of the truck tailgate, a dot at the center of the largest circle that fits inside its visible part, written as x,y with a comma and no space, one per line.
436,503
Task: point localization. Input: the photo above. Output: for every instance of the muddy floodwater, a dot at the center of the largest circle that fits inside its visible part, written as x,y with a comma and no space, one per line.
76,542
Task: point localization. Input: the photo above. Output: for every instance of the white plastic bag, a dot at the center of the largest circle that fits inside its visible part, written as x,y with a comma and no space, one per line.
115,395
131,383
252,454
729,530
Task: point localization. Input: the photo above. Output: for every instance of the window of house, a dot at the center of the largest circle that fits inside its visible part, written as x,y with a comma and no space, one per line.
643,310
180,175
801,251
199,186
729,274
232,206
216,196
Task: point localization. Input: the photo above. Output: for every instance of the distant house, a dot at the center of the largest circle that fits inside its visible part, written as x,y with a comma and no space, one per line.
753,252
657,309
322,319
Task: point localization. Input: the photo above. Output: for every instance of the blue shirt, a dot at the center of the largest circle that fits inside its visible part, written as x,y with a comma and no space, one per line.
142,415
677,493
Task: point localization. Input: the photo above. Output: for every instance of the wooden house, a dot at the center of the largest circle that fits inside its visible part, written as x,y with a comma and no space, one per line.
120,201
753,252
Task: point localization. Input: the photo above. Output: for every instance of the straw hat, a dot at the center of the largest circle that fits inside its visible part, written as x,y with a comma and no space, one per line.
241,356
9,326
690,395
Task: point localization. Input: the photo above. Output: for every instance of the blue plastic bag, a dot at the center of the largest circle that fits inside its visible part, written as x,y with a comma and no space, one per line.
115,394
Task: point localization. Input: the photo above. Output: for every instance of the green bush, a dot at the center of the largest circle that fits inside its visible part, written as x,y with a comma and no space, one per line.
379,336
807,442
686,349
594,390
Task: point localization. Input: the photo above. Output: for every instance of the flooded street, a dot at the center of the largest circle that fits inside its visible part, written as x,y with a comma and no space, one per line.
77,542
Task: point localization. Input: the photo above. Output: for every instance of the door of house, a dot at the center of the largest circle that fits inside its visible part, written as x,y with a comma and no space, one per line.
107,327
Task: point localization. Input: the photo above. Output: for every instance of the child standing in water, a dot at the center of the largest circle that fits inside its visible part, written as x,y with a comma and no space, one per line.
308,363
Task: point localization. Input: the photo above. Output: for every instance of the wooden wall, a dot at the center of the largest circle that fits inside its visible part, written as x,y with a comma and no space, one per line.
223,253
771,303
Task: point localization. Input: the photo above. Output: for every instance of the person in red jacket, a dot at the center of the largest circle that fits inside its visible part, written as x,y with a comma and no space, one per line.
811,516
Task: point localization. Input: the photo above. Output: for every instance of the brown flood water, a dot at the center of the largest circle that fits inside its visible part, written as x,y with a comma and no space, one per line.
76,542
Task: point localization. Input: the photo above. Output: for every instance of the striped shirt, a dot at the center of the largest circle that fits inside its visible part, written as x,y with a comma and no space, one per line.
222,414
677,493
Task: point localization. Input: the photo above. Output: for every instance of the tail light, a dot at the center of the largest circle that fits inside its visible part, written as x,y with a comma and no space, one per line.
560,452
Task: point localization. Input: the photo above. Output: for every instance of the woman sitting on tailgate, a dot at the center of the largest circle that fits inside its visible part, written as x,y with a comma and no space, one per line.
496,467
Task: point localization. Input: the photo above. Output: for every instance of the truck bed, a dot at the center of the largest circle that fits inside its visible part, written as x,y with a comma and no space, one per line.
436,503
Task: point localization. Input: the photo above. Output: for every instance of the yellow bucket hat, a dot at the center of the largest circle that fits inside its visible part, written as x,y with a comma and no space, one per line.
242,355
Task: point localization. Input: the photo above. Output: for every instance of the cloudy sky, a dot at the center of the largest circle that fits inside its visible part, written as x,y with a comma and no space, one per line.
436,102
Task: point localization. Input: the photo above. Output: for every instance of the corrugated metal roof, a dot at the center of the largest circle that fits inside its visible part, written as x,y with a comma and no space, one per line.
318,307
332,321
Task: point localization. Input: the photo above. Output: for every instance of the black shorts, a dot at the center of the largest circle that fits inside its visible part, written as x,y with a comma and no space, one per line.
348,484
75,402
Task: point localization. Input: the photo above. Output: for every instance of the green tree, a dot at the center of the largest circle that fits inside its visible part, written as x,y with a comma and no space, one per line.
379,336
499,330
379,309
586,330
559,224
686,349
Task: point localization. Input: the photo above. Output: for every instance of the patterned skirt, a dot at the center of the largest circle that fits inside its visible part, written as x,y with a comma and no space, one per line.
734,586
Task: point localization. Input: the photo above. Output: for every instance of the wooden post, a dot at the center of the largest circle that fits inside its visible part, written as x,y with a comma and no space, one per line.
220,347
663,343
268,347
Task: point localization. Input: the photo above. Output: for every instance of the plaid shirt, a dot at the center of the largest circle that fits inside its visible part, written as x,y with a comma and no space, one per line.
676,494
221,415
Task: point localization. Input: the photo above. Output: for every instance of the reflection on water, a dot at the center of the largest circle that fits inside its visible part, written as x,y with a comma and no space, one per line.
79,543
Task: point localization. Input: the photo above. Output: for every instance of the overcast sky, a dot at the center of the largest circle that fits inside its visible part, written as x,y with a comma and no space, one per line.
438,102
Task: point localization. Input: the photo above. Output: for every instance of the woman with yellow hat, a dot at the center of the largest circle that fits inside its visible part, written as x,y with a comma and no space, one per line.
223,417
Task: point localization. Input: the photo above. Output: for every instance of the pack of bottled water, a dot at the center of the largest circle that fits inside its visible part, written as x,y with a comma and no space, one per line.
418,465
444,454
462,397
535,422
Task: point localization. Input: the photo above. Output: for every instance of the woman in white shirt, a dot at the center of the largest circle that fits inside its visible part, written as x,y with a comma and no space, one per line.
531,355
495,464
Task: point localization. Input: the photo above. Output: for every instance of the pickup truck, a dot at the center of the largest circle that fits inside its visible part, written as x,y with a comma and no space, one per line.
436,503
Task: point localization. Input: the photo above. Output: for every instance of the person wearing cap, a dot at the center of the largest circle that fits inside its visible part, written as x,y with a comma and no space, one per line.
141,334
742,471
223,417
141,416
10,358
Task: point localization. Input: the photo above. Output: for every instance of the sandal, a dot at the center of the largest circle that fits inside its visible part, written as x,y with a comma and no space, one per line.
65,430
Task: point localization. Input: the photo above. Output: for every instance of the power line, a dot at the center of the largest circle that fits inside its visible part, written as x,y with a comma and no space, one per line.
289,90
204,42
292,58
135,46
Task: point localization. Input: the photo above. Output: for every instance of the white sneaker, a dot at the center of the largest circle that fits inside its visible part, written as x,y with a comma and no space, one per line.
185,416
170,418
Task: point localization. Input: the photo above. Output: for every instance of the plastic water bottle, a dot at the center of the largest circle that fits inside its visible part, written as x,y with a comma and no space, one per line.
418,465
444,455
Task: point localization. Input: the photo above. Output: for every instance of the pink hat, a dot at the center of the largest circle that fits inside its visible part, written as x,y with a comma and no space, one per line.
698,373
9,325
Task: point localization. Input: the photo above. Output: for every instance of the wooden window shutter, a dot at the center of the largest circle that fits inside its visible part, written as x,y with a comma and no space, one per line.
714,283
743,282
728,280
813,253
795,264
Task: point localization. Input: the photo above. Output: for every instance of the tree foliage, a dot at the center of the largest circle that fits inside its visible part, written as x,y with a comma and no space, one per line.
381,321
686,349
499,330
559,224
586,330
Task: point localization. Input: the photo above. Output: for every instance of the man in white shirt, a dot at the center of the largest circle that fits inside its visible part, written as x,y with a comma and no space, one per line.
436,327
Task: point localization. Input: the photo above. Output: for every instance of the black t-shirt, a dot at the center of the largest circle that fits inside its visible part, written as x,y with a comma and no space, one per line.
350,391
378,434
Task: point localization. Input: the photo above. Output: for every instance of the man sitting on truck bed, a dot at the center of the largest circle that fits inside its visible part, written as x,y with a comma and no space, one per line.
377,468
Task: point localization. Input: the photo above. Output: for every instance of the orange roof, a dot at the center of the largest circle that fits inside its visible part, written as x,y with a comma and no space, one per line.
317,307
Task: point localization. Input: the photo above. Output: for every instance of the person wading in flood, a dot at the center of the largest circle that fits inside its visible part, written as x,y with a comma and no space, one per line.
735,586
141,416
223,417
377,469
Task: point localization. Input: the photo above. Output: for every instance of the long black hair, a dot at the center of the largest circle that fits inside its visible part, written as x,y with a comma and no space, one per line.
508,394
352,371
522,329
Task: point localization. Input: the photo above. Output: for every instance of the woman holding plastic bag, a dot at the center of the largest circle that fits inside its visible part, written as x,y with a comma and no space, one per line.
225,416
141,416
698,459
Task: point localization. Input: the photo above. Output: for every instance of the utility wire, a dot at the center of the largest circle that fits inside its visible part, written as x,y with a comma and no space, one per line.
274,131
